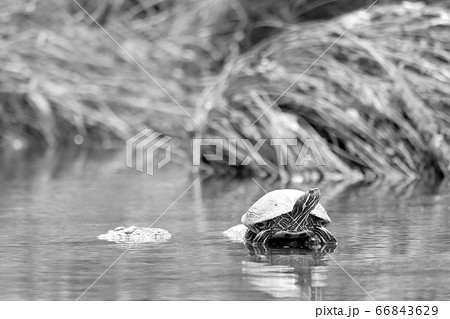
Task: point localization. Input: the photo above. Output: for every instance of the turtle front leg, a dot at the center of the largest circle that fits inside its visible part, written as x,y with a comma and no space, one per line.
262,237
325,236
249,235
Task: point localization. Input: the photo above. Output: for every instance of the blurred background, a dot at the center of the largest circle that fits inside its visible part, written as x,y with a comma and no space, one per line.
377,104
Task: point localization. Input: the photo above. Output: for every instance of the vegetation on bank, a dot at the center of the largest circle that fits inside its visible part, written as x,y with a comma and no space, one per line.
376,103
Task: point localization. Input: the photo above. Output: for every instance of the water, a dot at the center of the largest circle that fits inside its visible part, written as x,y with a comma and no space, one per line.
393,241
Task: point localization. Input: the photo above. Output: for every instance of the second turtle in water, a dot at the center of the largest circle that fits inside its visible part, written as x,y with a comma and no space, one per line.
288,214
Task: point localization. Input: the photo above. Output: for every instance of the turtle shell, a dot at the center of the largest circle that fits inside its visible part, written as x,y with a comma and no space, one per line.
276,203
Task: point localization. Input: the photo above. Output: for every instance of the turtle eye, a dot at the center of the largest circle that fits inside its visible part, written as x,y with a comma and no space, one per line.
259,225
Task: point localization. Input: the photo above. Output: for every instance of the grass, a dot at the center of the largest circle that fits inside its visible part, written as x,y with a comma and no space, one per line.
66,79
376,103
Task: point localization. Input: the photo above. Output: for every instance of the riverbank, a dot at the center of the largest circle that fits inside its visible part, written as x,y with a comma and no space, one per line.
376,104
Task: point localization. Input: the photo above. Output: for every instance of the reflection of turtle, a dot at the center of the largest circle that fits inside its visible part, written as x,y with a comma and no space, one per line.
287,273
288,214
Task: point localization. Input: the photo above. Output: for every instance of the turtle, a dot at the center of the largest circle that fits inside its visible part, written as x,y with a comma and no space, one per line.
288,214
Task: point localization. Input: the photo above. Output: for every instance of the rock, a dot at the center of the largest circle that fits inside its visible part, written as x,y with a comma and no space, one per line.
134,234
236,233
284,239
130,230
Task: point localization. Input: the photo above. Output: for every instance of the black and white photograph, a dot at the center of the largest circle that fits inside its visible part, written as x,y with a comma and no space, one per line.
227,150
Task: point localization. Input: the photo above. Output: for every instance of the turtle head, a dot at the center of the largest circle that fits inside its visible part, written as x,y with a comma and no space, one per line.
258,227
305,205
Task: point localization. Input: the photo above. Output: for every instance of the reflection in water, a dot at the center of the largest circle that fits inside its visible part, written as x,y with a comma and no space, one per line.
287,273
393,238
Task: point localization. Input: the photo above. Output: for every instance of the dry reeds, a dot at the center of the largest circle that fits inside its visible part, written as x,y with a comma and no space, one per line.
376,103
63,81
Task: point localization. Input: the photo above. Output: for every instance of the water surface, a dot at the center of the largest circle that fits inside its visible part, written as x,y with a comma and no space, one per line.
393,240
